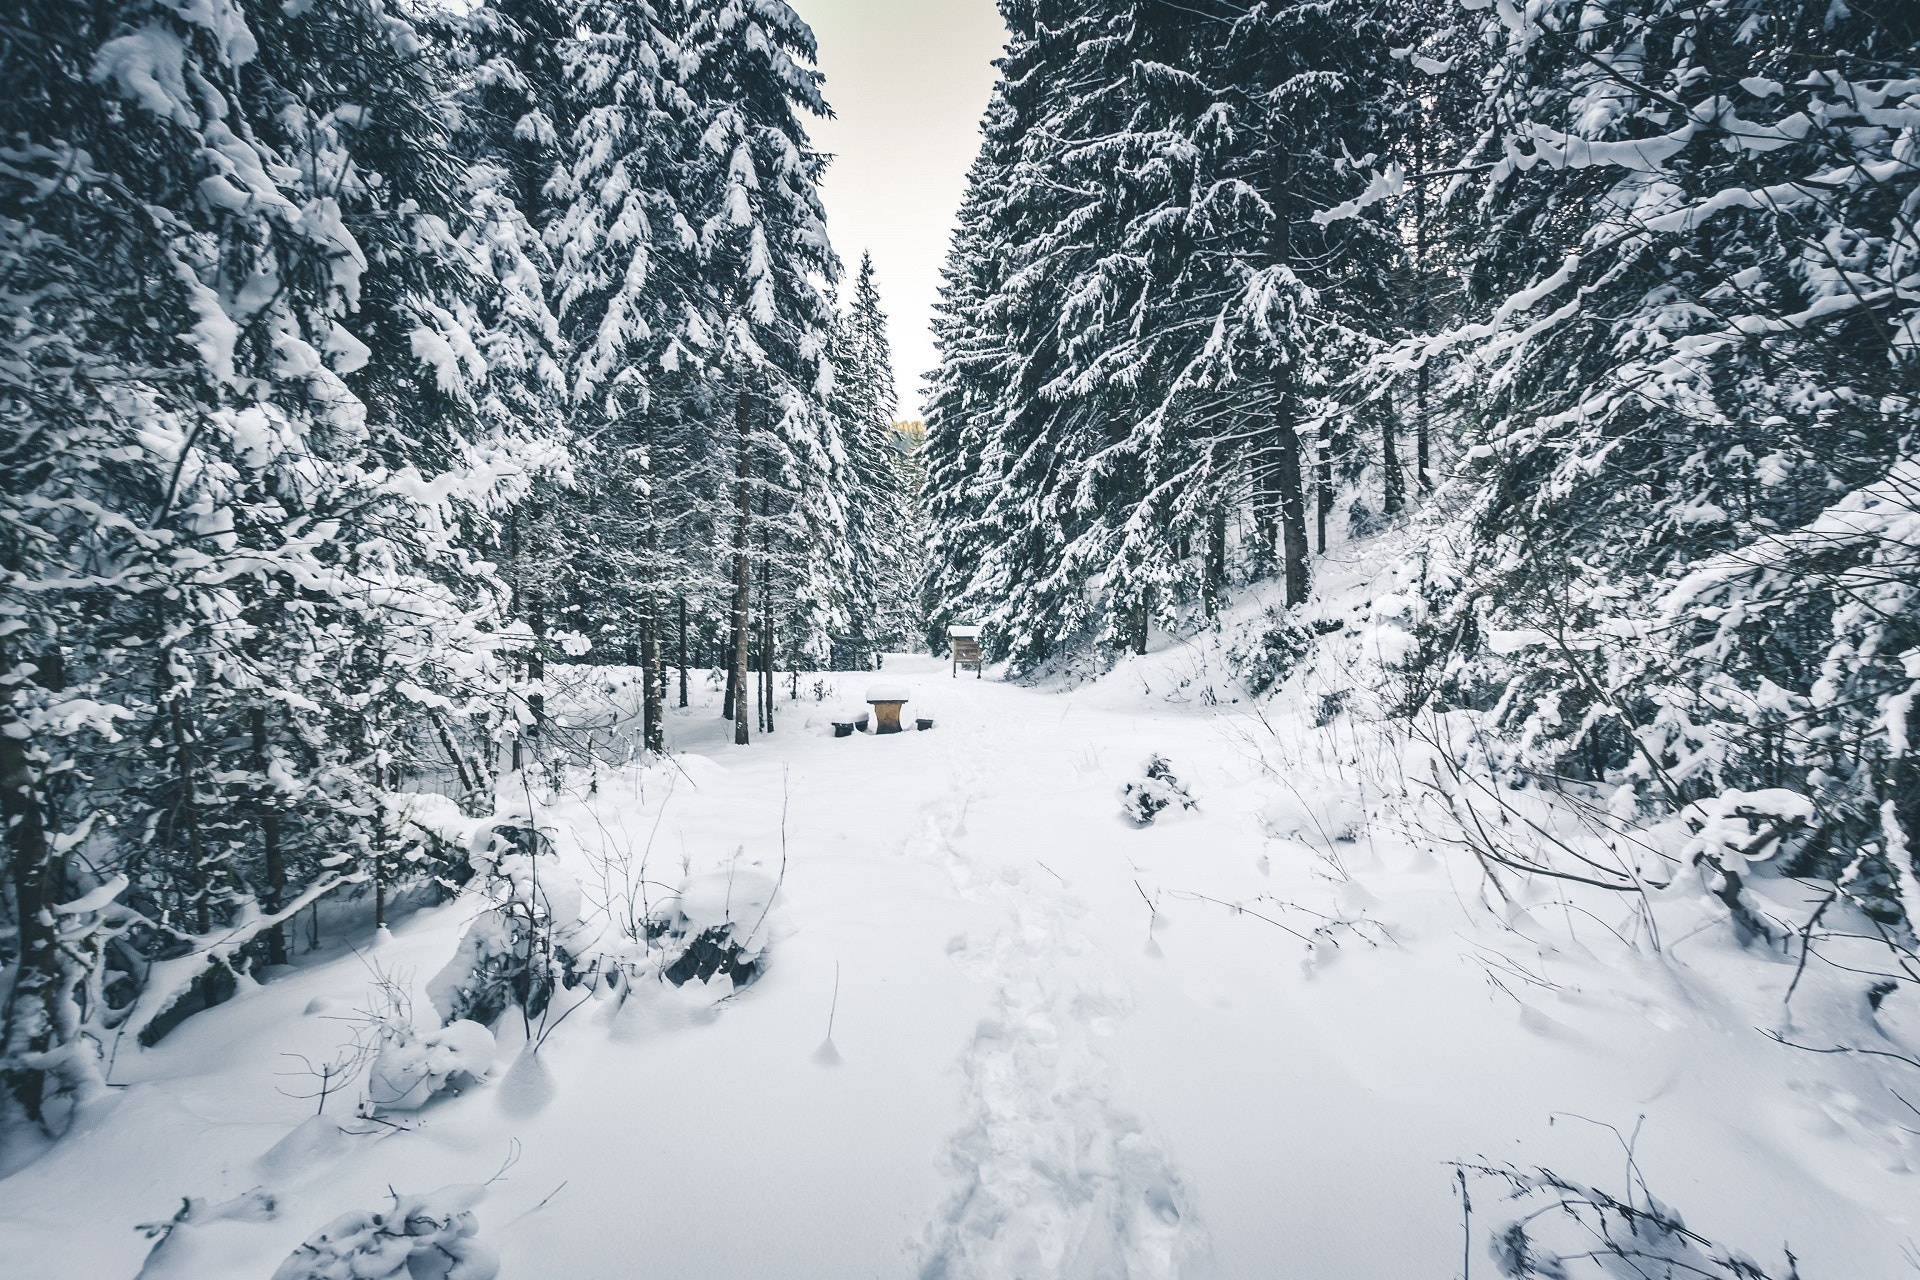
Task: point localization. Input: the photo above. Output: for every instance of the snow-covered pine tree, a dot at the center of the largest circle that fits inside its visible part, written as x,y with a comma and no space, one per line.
233,580
514,113
640,312
962,394
750,196
1008,383
1689,381
1145,281
879,586
1303,97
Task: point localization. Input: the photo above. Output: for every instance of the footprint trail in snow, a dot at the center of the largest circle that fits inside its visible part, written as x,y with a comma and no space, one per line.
1056,1182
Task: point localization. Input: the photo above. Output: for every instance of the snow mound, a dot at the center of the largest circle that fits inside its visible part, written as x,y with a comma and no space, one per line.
412,1068
425,1237
717,921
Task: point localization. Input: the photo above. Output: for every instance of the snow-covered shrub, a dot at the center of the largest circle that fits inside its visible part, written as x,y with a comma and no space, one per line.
1266,661
517,951
411,1068
714,928
1156,790
1558,1229
1363,521
423,1237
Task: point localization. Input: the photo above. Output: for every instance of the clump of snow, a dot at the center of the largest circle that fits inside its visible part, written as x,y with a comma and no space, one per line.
1154,792
424,1237
888,693
521,948
191,1243
412,1068
1317,816
1737,827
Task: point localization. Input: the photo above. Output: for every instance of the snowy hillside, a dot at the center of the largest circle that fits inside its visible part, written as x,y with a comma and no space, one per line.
1004,1030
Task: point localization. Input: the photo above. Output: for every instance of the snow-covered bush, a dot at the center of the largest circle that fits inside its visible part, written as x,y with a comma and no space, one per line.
516,952
1155,791
423,1237
411,1068
714,927
1264,661
1554,1228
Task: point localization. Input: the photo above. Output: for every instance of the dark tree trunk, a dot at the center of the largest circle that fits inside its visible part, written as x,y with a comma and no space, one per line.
276,888
726,703
1323,489
763,674
186,810
536,666
1423,307
1422,458
656,681
29,1019
1214,570
766,662
1293,506
1393,481
742,567
1266,507
683,651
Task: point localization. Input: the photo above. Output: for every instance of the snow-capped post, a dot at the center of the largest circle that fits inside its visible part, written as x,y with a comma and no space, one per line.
886,700
965,642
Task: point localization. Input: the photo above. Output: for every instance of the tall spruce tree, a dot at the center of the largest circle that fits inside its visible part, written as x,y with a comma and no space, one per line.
1687,374
1144,282
753,206
880,593
243,457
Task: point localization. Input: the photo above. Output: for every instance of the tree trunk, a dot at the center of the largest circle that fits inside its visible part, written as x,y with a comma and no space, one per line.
683,651
1214,572
742,566
764,678
1422,475
1423,306
270,829
766,660
1266,508
1323,488
655,679
1393,481
536,667
186,815
29,1019
726,703
1293,506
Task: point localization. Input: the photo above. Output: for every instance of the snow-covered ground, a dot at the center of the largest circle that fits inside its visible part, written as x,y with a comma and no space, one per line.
1246,1040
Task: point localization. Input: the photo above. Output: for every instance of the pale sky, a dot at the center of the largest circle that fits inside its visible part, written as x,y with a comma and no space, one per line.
908,80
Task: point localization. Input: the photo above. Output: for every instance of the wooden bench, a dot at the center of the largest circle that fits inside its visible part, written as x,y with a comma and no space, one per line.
965,643
886,701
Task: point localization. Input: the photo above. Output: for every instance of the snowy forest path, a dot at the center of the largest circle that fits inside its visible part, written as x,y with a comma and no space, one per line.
1063,1047
1048,1172
1055,1178
939,882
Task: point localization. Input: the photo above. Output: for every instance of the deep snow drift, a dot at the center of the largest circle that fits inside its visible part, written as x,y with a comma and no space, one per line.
1245,1038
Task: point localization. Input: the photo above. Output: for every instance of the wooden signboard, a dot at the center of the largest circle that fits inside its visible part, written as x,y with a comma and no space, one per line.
965,642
